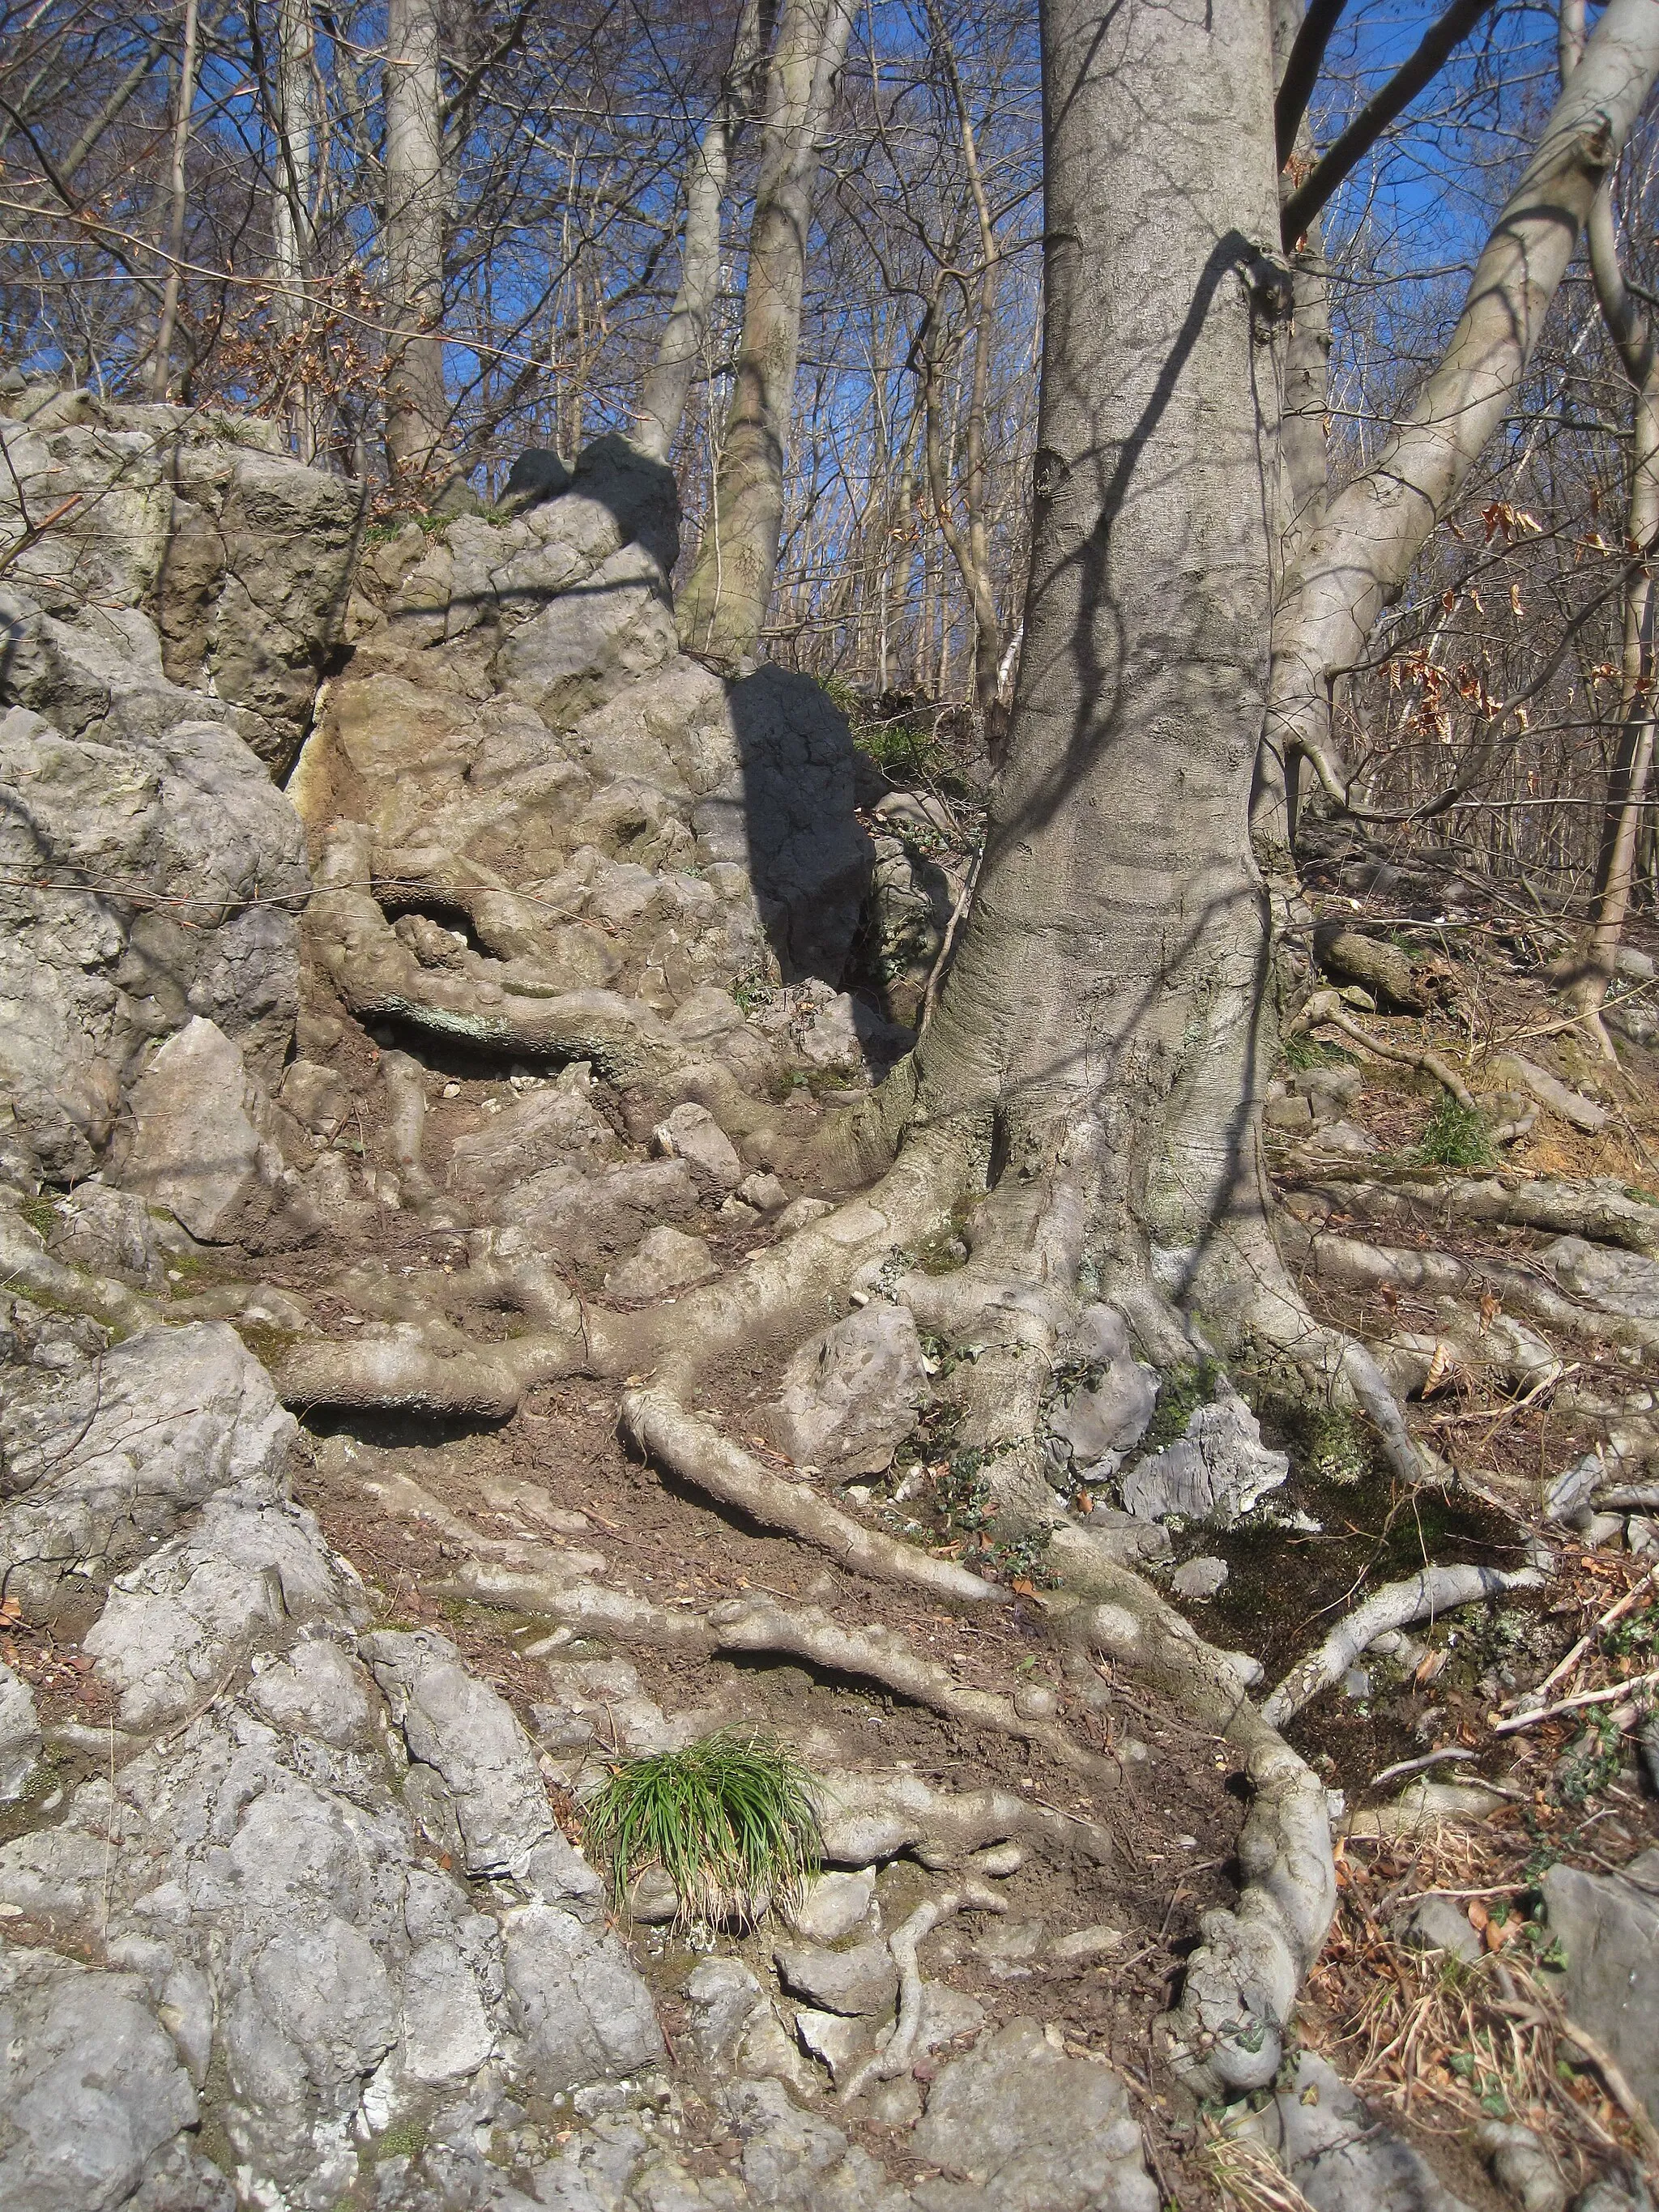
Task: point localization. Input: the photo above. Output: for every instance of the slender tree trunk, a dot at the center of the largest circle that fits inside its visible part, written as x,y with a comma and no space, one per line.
1633,337
1355,564
685,333
292,210
724,600
416,409
161,360
969,543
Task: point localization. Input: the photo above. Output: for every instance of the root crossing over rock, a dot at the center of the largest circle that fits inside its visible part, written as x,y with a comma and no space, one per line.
903,1944
1396,1605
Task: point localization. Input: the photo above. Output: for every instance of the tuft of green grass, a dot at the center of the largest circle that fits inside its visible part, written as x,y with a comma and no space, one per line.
731,1821
1456,1137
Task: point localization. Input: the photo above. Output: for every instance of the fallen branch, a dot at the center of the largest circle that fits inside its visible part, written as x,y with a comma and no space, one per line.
1612,1692
1615,1613
902,1945
1433,1591
1325,1009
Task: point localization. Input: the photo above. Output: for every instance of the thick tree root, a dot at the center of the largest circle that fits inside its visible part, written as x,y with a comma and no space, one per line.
1226,2031
902,1945
1601,1211
25,1266
1325,1009
1362,1267
664,1431
1424,1596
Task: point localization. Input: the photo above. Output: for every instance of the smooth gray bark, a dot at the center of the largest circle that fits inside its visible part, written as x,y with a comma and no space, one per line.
1102,1004
291,209
724,603
161,360
416,408
1357,561
685,333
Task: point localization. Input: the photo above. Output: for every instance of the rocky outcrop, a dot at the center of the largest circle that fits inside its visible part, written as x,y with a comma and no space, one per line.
183,565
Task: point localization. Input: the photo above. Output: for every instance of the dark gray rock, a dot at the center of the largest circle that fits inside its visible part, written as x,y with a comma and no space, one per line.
1440,1924
1022,2128
1608,1927
851,1394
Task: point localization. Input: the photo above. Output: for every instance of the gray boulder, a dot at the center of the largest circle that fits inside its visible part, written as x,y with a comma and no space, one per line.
585,2015
1340,2156
477,1759
667,1261
189,825
1214,1474
101,1463
1440,1924
194,1143
784,811
19,1735
1101,1422
1027,2129
851,1394
862,1981
90,2085
1608,1927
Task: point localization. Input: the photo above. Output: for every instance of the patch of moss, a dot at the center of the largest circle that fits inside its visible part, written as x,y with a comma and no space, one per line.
40,1214
1182,1390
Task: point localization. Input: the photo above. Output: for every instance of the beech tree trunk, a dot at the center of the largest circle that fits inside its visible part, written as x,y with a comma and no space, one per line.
161,361
291,212
1104,1002
685,333
724,603
1110,1010
416,408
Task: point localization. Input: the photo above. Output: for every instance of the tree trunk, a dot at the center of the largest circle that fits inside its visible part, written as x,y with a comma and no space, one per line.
686,332
1355,564
292,212
1103,1011
724,601
1633,337
161,360
416,409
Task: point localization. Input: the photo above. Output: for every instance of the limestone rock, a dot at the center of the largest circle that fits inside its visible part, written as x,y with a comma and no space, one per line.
1199,1578
100,1463
835,1904
1521,2166
1608,1927
862,1981
108,1231
725,1997
667,1261
195,1146
1214,1474
1339,2155
584,2013
692,1134
90,2084
851,1394
1030,2130
459,1731
567,1215
19,1735
1440,1924
1101,1422
784,811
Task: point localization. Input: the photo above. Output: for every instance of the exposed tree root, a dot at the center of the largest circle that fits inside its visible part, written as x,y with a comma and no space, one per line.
1424,1596
902,1945
1363,1267
25,1266
1602,1210
1226,2031
696,1451
869,1816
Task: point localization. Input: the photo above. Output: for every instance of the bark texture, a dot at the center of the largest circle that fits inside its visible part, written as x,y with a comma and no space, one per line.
417,411
1101,1007
685,333
1356,563
724,603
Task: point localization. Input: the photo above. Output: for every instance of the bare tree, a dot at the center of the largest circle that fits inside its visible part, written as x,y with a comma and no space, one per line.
724,603
685,331
160,365
416,408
